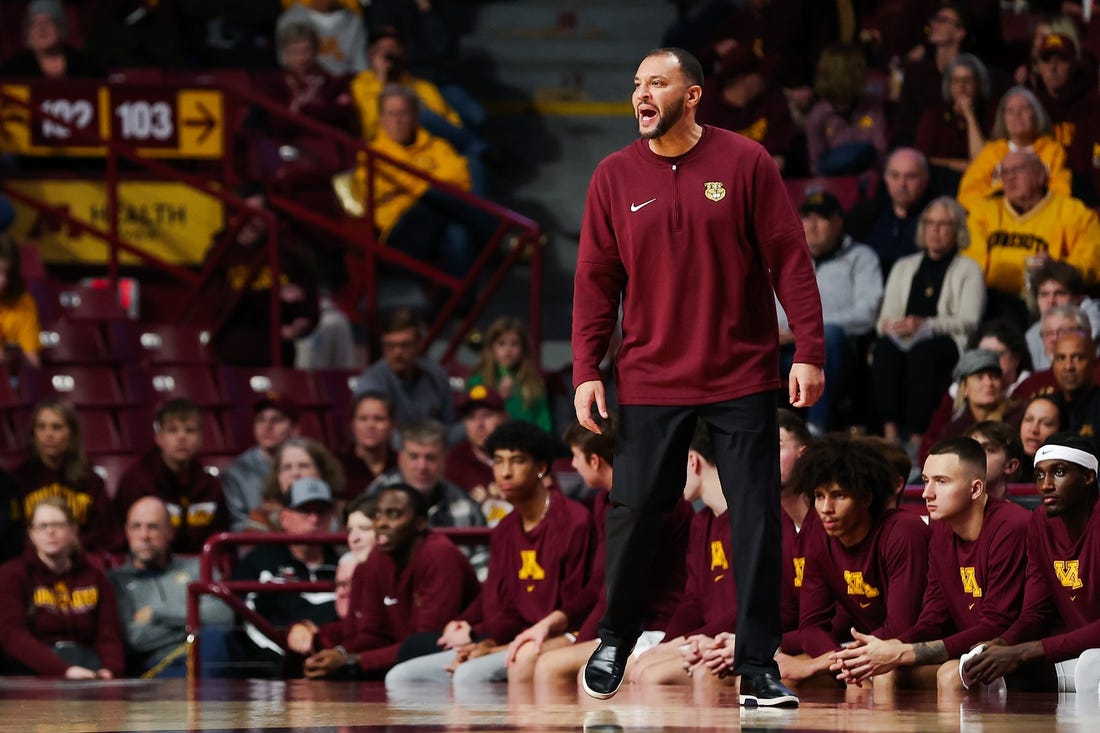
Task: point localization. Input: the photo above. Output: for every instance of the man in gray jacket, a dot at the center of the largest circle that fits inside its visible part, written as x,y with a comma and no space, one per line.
275,418
152,600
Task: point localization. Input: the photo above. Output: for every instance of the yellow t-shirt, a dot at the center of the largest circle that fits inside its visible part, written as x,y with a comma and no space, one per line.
19,324
1060,226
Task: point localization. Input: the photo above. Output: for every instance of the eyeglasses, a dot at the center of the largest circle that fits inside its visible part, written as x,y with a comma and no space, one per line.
1017,170
938,223
1060,332
945,18
47,526
403,344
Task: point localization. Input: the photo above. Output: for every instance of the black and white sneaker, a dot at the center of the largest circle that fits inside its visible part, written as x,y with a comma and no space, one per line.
765,690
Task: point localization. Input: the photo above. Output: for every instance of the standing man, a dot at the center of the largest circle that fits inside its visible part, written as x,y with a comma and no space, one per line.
689,229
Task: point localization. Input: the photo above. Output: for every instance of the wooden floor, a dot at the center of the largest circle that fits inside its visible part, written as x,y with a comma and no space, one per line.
346,707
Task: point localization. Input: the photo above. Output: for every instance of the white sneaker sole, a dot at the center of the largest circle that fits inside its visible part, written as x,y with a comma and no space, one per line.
598,695
752,701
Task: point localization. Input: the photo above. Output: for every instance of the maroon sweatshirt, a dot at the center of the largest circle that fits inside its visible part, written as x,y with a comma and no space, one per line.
358,475
534,573
692,248
100,530
466,470
39,607
878,583
1062,590
390,603
795,542
974,588
194,498
709,603
669,572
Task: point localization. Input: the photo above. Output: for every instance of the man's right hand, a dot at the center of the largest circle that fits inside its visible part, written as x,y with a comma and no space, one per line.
455,634
587,393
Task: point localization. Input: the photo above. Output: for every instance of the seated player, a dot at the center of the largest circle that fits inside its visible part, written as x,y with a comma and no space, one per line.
869,563
798,519
1059,621
415,582
975,576
1003,454
172,473
540,561
709,604
553,655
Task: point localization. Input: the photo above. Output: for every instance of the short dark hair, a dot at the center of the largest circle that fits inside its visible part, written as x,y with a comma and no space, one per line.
372,394
178,408
894,455
525,437
417,499
689,65
1072,440
702,444
795,425
967,449
1009,334
1060,272
593,444
363,503
853,465
1000,433
402,319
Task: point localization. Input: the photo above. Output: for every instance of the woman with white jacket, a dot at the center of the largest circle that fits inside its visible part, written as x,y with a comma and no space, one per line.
932,303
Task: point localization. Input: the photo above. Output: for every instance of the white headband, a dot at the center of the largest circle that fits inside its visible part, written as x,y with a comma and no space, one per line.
1073,455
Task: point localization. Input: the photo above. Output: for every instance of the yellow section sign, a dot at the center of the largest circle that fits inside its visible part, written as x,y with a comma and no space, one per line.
168,220
160,122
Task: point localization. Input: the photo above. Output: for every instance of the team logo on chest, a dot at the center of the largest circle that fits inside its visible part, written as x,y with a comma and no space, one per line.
714,190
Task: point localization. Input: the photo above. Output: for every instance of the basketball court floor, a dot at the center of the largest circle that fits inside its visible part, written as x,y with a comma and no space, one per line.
348,707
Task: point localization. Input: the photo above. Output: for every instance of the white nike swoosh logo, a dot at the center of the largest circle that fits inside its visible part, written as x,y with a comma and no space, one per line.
389,601
635,207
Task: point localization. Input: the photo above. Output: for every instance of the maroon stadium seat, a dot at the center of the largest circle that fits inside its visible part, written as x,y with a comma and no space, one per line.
73,342
83,386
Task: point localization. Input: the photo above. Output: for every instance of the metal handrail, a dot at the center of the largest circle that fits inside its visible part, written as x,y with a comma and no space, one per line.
529,231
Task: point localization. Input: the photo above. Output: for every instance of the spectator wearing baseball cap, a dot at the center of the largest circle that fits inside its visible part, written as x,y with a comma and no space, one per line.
481,410
275,418
307,510
1067,90
850,282
981,396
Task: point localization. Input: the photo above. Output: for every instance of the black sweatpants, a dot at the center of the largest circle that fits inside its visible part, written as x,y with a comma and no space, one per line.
650,463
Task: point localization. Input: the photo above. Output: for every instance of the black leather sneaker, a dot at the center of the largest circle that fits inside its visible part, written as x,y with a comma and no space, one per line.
765,690
604,671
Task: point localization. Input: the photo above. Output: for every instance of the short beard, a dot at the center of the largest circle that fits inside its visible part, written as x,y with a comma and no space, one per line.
666,122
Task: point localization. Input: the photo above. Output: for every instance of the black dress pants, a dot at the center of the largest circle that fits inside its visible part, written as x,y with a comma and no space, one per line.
650,463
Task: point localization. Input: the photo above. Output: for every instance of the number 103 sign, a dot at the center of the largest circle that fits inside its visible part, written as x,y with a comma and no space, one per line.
162,122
